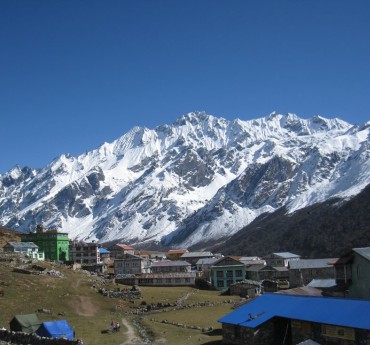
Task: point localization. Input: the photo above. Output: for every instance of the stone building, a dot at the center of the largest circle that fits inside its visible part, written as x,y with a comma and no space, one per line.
84,253
290,319
129,264
193,257
118,250
352,272
168,266
303,271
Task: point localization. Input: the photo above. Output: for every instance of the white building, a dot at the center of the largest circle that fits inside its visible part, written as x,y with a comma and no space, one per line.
27,248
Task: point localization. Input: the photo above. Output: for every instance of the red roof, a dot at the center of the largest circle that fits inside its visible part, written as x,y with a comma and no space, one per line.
177,251
124,246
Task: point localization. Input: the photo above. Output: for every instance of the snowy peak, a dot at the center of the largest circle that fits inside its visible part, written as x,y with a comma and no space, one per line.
198,179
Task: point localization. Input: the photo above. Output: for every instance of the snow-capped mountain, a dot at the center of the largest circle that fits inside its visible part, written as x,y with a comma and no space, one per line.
200,179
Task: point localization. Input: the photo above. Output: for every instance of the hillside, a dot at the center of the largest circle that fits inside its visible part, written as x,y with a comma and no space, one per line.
7,235
327,229
74,296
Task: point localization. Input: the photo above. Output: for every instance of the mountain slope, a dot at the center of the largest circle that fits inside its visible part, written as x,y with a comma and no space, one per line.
199,179
326,229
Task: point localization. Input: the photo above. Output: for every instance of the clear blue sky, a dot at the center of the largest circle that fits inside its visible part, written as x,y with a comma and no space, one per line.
77,73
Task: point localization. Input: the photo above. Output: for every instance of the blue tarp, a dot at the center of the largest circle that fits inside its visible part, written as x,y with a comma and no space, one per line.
327,310
56,329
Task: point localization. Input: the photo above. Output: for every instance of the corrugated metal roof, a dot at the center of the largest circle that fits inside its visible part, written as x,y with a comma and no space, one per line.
177,251
302,291
196,255
249,258
166,263
322,283
207,261
365,252
255,268
103,251
286,255
310,263
327,310
23,244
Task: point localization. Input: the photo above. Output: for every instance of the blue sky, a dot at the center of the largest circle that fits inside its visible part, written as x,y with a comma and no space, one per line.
77,73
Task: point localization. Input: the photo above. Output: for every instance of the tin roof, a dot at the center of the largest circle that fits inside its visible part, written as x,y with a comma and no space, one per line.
322,283
207,261
286,255
22,245
166,263
327,310
255,268
302,291
177,251
365,252
311,263
196,255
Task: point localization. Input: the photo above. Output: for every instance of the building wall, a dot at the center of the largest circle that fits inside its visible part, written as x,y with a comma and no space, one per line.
170,269
360,287
299,277
327,334
285,331
84,253
224,276
54,244
161,279
128,266
276,261
206,271
237,335
33,253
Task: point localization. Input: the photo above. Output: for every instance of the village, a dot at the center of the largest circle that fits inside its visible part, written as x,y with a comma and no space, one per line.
278,298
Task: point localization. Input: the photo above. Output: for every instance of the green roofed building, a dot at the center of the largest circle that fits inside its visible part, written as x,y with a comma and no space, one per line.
28,323
54,243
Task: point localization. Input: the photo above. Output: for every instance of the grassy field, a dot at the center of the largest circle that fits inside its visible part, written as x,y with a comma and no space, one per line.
73,298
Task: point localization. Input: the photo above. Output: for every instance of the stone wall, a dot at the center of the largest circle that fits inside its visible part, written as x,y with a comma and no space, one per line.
19,338
328,334
238,335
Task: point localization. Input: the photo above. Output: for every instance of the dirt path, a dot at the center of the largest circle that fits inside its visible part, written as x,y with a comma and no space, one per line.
132,339
82,305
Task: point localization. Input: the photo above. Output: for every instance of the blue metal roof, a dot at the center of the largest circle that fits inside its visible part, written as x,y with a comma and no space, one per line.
327,310
103,251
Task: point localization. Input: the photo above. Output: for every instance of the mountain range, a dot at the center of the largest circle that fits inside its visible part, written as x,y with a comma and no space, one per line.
194,183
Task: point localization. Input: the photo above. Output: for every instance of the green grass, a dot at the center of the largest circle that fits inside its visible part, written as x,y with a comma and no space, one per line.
69,297
25,294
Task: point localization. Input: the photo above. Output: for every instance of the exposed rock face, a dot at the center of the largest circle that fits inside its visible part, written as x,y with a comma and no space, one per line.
200,179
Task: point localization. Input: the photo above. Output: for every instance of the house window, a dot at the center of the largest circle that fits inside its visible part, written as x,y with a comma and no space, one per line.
220,283
229,273
359,271
219,274
229,282
238,273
